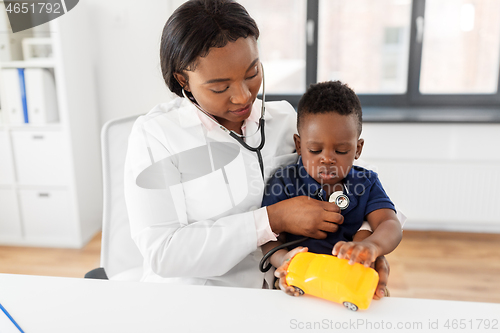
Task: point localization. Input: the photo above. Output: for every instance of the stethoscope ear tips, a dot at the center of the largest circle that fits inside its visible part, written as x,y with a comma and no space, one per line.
340,199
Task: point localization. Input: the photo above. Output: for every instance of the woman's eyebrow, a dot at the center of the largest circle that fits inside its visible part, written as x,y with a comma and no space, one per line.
216,81
252,64
227,79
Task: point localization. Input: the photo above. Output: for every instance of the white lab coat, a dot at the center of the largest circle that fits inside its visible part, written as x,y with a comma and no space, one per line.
193,193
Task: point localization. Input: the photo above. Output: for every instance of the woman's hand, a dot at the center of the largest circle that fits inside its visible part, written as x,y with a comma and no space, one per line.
304,216
382,267
280,272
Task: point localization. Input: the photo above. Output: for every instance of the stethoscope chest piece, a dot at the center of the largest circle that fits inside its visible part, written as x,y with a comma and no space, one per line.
340,199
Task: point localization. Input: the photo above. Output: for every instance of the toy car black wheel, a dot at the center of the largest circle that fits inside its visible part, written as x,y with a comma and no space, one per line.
299,290
350,306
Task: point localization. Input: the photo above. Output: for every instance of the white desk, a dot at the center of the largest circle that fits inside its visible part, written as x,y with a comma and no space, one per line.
68,305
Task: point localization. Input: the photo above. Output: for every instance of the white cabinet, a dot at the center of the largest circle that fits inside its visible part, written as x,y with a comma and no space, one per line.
41,158
6,169
50,168
46,215
10,224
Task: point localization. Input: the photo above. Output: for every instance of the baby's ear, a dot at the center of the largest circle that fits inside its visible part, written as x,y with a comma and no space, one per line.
359,148
296,139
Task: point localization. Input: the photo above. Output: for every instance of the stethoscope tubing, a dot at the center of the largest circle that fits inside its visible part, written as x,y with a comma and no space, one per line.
254,149
273,251
240,138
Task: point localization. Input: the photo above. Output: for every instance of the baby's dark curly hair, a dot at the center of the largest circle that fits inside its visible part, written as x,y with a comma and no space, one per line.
330,96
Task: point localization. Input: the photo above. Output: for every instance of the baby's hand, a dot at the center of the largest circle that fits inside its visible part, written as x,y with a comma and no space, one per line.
280,272
363,252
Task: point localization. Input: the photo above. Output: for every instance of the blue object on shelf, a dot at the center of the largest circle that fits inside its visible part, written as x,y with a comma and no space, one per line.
22,86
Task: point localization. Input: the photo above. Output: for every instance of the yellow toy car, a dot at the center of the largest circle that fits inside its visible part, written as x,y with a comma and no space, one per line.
334,279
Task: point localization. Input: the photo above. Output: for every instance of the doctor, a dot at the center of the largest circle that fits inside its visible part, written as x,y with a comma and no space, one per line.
194,176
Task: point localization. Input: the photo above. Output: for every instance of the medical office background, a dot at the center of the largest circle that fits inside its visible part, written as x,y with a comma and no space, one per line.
427,73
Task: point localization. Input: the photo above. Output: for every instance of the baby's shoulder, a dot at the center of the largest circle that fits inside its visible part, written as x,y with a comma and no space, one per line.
361,173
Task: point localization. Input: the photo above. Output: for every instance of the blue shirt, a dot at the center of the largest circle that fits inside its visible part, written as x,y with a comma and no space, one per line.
365,193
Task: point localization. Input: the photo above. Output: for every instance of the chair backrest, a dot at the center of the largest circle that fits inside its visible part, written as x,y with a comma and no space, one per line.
118,251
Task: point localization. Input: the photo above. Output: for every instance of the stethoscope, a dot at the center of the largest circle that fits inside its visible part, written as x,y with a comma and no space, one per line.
338,197
236,136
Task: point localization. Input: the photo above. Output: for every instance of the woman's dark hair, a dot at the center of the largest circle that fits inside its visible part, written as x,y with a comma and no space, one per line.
194,28
330,96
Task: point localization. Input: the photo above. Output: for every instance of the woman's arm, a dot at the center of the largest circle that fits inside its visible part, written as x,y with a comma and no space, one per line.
156,206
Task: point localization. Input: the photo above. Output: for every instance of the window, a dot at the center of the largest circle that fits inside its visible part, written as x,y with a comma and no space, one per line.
282,43
393,53
365,43
460,51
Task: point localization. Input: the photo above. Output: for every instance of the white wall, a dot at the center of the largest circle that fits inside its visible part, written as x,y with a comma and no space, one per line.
126,36
442,176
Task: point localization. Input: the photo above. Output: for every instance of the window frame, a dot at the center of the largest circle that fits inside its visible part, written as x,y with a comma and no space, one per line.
412,98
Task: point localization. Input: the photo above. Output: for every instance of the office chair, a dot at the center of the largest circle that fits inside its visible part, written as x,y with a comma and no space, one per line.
120,257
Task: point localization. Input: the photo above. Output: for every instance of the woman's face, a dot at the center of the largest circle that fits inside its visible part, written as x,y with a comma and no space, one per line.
225,83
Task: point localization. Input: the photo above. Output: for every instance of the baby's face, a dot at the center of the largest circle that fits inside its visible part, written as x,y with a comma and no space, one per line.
328,144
